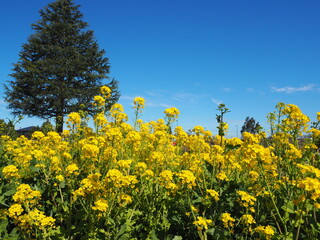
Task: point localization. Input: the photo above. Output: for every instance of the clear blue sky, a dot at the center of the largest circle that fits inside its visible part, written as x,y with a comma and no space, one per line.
194,54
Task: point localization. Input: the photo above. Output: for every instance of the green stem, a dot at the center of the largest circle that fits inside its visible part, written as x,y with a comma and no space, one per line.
273,201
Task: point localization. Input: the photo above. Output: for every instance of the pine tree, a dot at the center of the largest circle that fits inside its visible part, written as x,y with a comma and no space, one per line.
250,126
60,68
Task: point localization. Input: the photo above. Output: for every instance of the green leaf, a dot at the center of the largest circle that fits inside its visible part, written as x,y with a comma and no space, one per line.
288,207
10,192
177,238
123,229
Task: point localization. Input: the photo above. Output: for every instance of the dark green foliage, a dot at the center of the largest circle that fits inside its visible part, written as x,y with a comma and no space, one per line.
251,126
60,68
46,127
7,128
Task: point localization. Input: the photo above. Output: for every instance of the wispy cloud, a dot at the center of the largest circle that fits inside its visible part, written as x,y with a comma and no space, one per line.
252,90
226,89
165,98
127,98
154,100
187,97
155,93
152,104
289,90
216,101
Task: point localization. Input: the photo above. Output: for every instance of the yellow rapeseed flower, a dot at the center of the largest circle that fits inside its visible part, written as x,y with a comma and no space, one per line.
138,103
247,219
105,91
40,220
222,176
72,169
25,194
60,178
202,222
125,199
74,118
100,205
213,194
187,178
11,171
15,210
227,220
246,200
267,231
172,113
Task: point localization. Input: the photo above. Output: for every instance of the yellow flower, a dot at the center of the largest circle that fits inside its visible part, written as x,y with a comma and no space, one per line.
188,178
11,171
198,130
114,174
60,178
202,223
222,176
99,101
227,220
194,209
141,166
214,194
117,113
74,118
72,169
90,185
172,113
100,205
246,200
124,163
90,151
166,176
148,173
138,103
15,210
65,133
25,193
253,175
40,220
124,199
105,91
247,219
267,231
37,135
100,119
311,185
316,205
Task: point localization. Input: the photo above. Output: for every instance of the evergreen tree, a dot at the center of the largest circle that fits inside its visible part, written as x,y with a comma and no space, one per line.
250,126
60,68
7,128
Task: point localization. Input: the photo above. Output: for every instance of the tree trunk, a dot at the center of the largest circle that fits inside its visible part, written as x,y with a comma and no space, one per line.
59,124
60,113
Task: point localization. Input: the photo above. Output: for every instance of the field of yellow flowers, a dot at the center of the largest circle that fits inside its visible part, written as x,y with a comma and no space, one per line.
149,180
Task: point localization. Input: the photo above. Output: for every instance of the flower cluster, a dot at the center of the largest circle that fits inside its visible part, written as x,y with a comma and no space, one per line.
150,180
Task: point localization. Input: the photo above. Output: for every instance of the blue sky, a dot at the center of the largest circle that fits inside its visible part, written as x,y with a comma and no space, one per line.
194,55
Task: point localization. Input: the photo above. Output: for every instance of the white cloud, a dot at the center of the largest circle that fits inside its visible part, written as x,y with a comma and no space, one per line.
186,97
216,101
150,104
226,89
157,93
252,90
127,98
289,90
